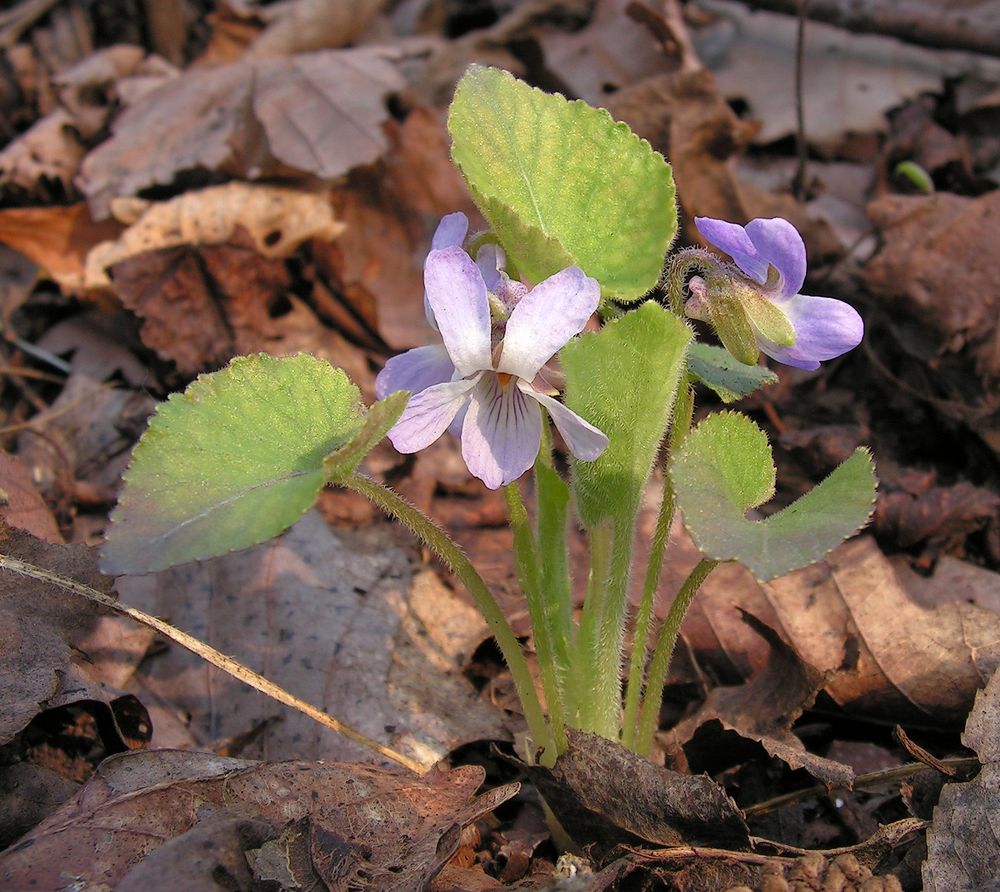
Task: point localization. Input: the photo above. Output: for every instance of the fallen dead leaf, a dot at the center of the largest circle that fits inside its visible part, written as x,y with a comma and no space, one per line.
963,842
850,80
61,650
684,116
335,618
391,212
200,306
302,26
847,616
915,273
613,51
46,157
298,824
277,219
20,504
58,239
86,89
318,113
766,706
605,794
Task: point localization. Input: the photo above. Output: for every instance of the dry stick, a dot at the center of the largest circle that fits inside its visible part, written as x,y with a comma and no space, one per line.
801,147
941,26
209,655
861,782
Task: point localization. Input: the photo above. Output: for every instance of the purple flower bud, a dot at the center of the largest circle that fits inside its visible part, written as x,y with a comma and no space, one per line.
771,254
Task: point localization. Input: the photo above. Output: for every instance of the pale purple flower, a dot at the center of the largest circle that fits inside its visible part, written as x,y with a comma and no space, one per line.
501,431
424,367
772,254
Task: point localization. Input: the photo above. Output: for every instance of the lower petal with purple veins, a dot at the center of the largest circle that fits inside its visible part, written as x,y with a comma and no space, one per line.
502,432
415,370
428,414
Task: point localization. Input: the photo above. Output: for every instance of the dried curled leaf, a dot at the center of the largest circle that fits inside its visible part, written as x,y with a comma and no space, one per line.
276,218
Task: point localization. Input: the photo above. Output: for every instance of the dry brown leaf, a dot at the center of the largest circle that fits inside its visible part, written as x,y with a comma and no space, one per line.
195,816
848,616
301,26
684,117
765,708
319,114
86,89
916,272
49,154
277,219
59,649
391,212
613,51
963,843
20,504
605,794
339,622
58,239
200,306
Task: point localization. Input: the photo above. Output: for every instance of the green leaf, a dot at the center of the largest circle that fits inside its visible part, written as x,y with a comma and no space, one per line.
231,462
725,374
561,183
382,416
623,379
725,468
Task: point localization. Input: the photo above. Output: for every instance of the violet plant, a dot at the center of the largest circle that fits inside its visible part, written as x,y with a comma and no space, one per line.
580,206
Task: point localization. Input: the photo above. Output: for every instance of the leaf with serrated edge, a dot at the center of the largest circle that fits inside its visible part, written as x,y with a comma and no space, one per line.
561,183
233,461
724,468
725,374
623,380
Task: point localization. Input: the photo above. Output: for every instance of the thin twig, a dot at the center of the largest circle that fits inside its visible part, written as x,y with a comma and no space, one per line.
44,417
861,782
801,147
209,655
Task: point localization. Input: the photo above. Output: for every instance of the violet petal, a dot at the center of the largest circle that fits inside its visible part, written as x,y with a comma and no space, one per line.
584,440
450,232
501,434
734,241
780,244
415,370
428,414
491,261
824,328
545,319
456,293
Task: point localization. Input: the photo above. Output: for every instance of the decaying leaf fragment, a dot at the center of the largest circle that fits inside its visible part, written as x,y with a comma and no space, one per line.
963,843
312,824
59,649
317,113
607,795
276,218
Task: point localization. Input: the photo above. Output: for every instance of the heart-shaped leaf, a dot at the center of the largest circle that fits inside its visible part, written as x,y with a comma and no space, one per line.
623,379
724,468
561,183
233,461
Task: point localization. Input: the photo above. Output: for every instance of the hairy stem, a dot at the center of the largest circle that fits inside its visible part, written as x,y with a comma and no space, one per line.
442,545
664,651
585,662
530,578
683,264
654,569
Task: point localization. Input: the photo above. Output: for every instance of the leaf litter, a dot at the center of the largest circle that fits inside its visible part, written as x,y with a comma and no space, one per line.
776,684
